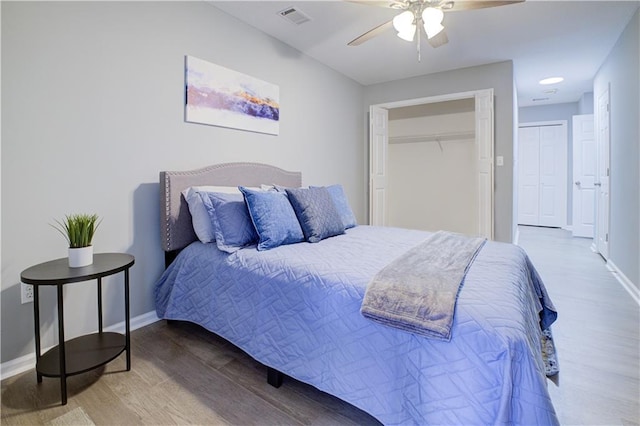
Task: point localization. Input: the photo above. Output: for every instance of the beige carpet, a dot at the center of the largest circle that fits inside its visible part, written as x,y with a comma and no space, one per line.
75,417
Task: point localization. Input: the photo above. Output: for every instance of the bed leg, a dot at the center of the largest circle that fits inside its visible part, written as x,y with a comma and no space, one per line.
274,377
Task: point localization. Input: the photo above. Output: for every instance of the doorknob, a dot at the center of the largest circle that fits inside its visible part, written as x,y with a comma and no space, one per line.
577,183
597,184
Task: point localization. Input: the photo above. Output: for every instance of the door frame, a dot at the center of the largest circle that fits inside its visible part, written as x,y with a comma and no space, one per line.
484,142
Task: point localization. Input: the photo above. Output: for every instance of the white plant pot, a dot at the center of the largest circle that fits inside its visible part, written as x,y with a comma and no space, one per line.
79,257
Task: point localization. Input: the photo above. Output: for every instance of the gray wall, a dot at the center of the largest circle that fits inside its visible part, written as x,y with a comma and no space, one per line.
498,76
585,104
556,112
92,110
621,70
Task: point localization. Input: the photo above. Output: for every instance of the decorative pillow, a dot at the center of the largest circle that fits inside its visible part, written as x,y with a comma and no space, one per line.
316,213
199,216
231,221
273,218
342,205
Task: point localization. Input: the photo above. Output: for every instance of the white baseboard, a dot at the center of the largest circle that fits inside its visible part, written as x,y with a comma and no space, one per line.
624,281
28,361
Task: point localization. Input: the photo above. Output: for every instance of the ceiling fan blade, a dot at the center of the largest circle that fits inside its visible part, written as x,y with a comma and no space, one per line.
457,5
387,3
439,39
370,34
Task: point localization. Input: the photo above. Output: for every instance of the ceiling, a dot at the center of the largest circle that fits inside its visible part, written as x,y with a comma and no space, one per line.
543,38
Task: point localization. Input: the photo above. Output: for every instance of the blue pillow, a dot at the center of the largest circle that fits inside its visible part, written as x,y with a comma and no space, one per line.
273,218
232,224
316,213
342,205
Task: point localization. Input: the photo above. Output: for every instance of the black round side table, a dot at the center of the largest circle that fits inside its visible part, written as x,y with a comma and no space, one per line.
87,352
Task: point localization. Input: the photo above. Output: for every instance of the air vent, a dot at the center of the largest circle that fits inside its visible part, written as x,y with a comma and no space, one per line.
295,16
550,91
539,99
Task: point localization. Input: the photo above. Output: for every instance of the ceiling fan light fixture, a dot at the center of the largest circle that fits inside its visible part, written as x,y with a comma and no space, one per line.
409,34
432,19
432,16
403,23
433,30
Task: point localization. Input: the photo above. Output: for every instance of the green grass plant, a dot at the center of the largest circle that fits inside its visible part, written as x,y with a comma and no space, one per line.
78,229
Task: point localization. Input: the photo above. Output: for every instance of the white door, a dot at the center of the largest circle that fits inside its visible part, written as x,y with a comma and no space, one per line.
484,150
528,175
553,176
584,176
378,142
602,184
542,174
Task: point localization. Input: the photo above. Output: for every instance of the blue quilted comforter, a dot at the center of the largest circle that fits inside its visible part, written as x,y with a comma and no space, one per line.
296,308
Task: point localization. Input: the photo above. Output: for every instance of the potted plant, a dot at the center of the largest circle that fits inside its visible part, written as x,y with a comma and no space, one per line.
78,230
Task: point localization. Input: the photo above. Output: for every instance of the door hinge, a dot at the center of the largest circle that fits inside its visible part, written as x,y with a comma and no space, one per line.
606,237
607,171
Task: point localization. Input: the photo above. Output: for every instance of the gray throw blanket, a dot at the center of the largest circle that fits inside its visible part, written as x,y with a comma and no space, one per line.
417,292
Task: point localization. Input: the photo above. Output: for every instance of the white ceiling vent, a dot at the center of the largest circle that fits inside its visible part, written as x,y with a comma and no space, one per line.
295,16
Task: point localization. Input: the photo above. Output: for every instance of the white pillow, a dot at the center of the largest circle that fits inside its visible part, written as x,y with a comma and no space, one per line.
199,216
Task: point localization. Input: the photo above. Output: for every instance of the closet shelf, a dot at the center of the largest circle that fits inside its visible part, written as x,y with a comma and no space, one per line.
438,137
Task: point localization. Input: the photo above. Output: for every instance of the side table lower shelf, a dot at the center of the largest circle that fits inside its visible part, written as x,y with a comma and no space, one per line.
82,354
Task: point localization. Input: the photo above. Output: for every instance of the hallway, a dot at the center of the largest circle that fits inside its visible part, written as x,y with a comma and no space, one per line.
597,333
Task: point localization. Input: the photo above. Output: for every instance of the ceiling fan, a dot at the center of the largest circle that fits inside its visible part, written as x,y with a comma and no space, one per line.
426,14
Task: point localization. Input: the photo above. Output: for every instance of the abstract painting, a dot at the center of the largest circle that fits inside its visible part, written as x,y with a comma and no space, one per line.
222,97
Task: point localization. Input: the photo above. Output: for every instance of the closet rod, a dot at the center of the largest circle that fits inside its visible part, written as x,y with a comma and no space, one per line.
438,137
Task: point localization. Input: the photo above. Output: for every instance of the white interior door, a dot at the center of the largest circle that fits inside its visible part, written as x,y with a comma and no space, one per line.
553,176
484,152
528,175
542,174
378,142
584,176
602,184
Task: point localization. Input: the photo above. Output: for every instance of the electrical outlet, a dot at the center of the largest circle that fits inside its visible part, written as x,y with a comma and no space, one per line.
26,293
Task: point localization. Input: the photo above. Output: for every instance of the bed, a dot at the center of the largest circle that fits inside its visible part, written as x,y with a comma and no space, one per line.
297,309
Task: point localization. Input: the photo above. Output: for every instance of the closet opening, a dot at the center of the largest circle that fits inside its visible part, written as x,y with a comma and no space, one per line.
431,163
432,169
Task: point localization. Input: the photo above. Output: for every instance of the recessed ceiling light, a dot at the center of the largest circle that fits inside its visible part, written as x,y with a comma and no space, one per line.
551,80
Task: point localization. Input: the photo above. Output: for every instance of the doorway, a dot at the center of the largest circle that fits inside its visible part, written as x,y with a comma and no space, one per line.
482,158
433,144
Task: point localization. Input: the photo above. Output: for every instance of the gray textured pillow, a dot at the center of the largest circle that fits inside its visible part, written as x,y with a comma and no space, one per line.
316,213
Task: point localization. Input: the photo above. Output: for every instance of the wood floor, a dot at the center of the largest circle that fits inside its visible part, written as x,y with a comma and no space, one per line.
184,375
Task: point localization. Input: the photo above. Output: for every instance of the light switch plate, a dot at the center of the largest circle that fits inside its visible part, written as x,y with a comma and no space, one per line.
500,160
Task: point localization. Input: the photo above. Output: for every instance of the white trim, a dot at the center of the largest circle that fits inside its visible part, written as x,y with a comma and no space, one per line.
624,281
27,362
568,228
516,237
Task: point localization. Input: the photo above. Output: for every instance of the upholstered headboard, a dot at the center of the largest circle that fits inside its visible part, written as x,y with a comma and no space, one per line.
175,219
